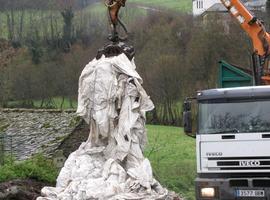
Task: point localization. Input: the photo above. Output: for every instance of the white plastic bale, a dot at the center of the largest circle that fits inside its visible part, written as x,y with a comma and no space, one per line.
110,165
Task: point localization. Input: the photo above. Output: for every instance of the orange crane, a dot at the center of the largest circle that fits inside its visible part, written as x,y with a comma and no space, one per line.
259,36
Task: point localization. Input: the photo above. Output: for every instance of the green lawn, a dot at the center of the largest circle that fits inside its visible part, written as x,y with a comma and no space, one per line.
172,155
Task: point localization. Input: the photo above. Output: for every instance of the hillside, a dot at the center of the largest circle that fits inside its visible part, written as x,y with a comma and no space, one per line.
178,5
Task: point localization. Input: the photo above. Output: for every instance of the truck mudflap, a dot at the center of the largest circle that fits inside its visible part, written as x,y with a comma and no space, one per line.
233,189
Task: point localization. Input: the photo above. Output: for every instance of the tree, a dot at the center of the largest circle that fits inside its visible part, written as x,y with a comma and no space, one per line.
68,16
210,43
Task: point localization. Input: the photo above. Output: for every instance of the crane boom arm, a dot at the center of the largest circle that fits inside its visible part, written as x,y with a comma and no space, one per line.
259,36
254,27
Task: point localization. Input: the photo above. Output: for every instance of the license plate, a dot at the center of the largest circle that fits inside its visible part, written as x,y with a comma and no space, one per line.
250,193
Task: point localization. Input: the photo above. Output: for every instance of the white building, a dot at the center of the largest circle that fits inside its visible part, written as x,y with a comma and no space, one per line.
200,6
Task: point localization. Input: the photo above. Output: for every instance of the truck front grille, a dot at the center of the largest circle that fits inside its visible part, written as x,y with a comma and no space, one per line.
261,183
239,183
239,163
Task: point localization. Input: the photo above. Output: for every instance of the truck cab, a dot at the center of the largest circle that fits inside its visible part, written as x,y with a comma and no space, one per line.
232,141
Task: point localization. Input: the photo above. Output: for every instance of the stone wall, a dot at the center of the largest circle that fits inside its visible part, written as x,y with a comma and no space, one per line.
28,132
74,140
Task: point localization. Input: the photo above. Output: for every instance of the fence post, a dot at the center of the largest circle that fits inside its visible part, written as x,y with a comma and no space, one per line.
11,147
2,153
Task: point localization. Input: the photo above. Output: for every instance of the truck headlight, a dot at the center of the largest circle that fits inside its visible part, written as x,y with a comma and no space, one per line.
208,192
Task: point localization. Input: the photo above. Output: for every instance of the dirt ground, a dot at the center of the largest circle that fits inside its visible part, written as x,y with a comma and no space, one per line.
21,189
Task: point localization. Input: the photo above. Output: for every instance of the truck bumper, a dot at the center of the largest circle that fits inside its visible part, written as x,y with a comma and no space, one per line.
230,188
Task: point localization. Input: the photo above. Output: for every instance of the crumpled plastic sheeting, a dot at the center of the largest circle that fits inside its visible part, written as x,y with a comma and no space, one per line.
110,165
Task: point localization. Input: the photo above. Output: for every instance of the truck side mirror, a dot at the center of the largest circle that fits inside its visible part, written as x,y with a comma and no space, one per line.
187,122
187,118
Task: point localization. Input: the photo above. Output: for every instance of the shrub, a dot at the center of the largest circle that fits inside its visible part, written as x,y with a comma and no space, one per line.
38,168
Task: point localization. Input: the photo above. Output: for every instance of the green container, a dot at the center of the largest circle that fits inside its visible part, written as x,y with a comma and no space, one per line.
232,76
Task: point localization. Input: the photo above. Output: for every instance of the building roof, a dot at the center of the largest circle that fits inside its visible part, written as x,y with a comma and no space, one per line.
217,7
251,5
256,4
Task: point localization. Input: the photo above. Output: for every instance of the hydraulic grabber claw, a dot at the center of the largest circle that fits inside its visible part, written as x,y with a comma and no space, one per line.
118,46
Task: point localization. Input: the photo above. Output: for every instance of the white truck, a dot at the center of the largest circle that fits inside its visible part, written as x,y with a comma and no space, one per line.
232,141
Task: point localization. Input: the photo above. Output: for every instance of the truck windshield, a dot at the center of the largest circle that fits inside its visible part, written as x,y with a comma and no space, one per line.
234,117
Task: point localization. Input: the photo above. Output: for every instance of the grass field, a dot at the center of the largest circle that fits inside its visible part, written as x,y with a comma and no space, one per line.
178,5
172,155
